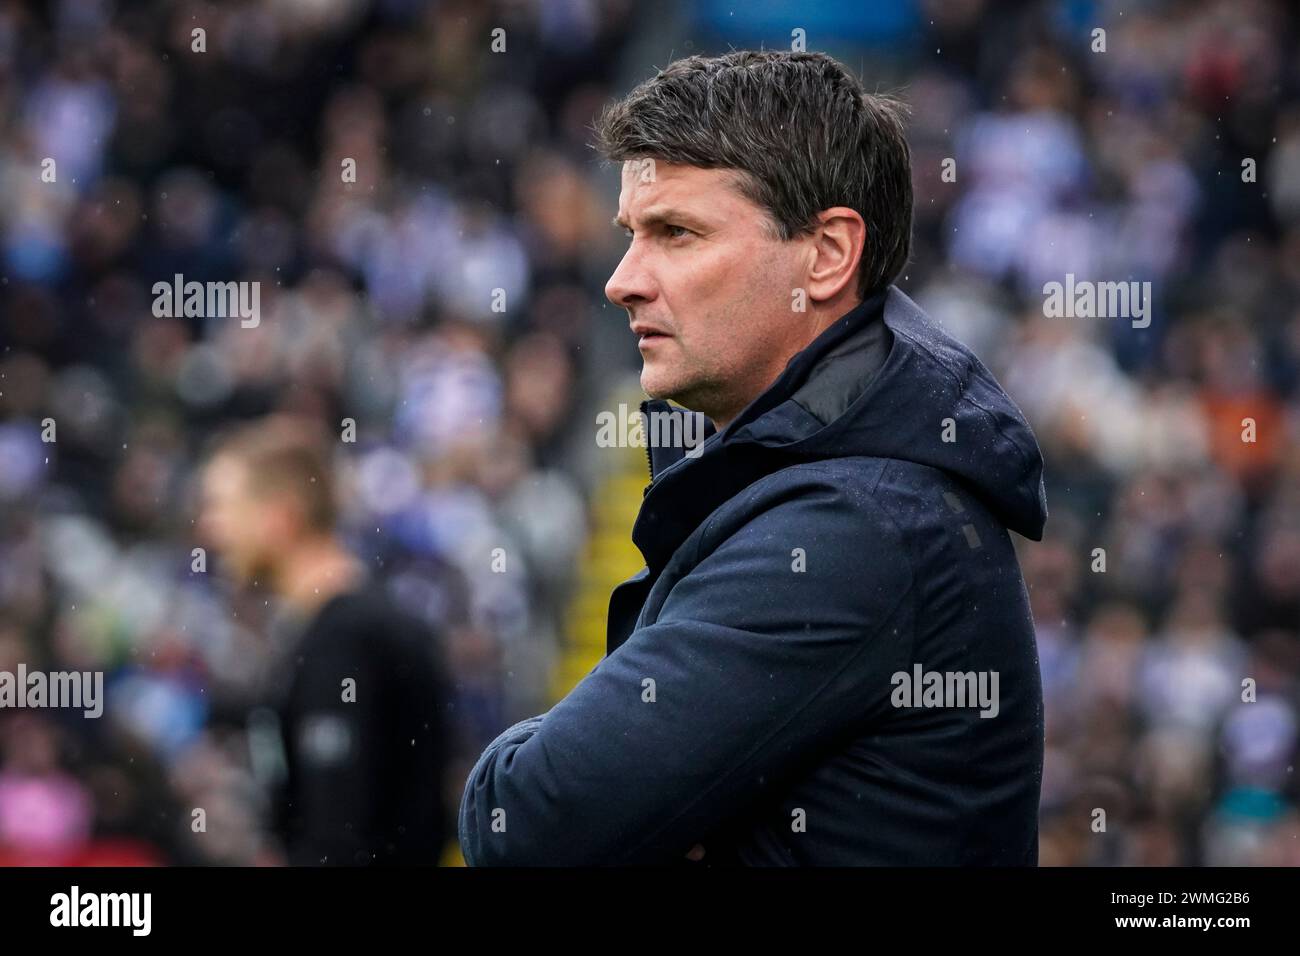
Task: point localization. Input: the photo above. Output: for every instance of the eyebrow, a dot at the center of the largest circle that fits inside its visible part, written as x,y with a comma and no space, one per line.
659,216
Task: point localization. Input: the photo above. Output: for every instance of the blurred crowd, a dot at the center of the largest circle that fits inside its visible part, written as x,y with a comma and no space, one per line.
448,299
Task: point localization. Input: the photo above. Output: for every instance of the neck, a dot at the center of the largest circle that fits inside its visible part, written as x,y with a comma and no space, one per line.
314,571
821,317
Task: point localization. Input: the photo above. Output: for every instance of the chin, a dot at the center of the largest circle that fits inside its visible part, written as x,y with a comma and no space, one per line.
243,569
683,393
653,387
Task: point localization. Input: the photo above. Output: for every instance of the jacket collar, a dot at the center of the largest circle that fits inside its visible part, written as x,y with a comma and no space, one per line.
673,420
687,485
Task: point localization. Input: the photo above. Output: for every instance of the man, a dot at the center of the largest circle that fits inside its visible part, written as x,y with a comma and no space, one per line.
351,741
829,658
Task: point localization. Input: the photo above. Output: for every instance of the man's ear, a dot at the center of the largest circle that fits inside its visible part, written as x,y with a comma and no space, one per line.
838,241
282,515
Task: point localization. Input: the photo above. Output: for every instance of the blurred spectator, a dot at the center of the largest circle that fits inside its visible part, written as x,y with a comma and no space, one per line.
348,728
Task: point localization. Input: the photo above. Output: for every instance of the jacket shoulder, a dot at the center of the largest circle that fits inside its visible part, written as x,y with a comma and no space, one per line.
807,499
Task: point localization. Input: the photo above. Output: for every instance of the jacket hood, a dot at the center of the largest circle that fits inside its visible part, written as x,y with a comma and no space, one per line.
883,381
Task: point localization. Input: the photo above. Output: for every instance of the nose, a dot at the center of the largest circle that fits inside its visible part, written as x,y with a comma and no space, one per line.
211,521
631,284
207,526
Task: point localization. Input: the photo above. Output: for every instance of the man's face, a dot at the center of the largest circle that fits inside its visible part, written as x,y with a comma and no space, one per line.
241,525
707,286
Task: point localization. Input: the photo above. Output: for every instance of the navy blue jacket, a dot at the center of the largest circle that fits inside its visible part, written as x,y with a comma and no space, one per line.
850,526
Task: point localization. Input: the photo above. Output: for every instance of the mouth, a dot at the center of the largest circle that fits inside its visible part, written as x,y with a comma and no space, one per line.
648,340
647,336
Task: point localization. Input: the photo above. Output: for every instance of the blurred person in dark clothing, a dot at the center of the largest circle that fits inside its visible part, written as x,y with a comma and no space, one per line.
351,740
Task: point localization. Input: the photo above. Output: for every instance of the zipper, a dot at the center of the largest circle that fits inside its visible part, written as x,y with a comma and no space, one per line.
649,460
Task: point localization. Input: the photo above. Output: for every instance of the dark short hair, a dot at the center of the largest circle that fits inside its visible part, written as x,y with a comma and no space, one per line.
799,129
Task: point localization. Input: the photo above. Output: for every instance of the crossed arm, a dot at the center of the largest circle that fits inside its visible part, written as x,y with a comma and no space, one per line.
750,666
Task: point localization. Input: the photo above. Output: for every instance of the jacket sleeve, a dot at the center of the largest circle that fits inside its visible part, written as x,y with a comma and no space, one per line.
753,663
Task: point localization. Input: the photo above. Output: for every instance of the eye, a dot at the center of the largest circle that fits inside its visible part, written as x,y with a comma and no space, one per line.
674,235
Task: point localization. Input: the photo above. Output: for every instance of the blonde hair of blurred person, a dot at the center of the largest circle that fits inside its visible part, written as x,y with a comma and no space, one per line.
268,505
